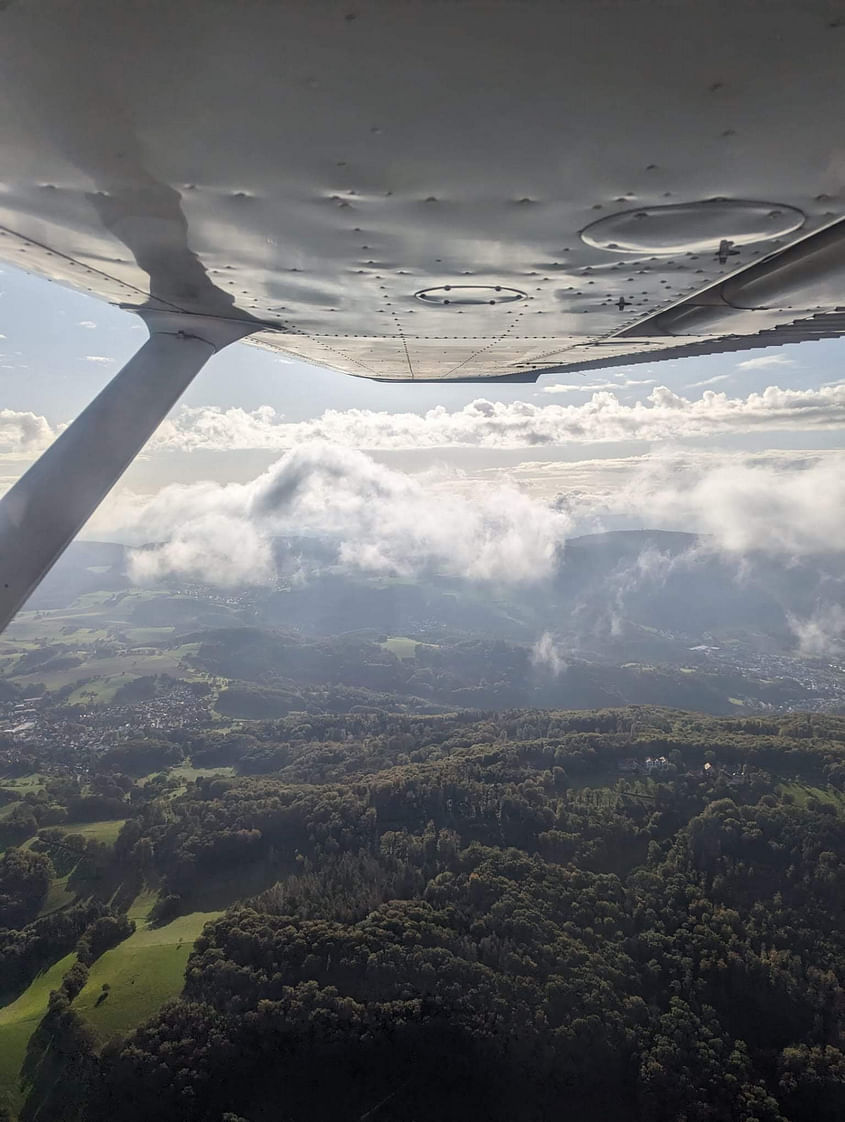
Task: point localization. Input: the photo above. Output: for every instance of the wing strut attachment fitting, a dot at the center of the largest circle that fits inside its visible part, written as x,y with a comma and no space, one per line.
42,513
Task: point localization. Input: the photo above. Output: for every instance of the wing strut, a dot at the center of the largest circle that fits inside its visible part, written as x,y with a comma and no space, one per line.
42,513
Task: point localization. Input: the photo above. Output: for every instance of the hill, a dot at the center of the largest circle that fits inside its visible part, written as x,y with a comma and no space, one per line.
631,913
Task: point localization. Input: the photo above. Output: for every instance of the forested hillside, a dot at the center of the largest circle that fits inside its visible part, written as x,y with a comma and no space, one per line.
627,914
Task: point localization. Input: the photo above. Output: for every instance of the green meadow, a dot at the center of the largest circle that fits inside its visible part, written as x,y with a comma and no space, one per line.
17,1022
105,831
141,974
126,985
401,646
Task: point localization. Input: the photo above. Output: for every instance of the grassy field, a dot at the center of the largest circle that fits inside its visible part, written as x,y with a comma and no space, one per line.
23,783
19,786
102,611
9,808
188,773
142,973
17,1021
142,905
801,792
117,669
98,679
142,636
57,896
93,617
400,646
100,691
105,831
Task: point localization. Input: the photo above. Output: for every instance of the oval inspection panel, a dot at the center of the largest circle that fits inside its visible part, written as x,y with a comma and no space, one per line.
462,294
692,227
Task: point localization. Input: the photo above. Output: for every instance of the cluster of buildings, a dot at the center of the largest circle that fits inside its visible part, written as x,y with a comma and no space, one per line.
39,725
734,774
20,717
648,766
177,706
815,685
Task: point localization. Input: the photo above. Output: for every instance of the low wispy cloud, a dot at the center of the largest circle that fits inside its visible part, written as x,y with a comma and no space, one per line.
86,323
98,358
582,387
821,634
546,655
709,381
574,387
761,362
664,414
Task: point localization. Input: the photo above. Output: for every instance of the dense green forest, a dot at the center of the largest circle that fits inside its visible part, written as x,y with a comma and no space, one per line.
624,914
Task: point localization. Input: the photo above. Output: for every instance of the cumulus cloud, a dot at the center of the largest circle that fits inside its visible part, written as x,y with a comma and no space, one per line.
212,546
363,516
821,634
23,433
375,519
216,429
789,510
546,654
664,414
786,502
763,361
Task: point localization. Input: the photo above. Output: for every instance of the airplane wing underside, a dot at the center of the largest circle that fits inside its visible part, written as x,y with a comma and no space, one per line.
417,190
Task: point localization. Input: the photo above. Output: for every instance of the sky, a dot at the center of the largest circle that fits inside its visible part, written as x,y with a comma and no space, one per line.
484,479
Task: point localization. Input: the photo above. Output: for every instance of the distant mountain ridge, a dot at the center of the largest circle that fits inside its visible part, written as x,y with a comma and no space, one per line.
606,590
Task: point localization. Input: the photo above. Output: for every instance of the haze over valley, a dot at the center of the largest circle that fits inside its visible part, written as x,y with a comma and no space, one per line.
624,617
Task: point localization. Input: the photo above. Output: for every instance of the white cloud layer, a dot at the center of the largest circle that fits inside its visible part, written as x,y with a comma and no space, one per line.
379,521
786,510
375,519
664,414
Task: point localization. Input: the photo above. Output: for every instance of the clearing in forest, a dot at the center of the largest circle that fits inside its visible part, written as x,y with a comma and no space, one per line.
141,973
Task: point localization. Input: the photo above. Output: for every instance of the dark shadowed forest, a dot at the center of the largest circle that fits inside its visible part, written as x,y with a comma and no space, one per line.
626,914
